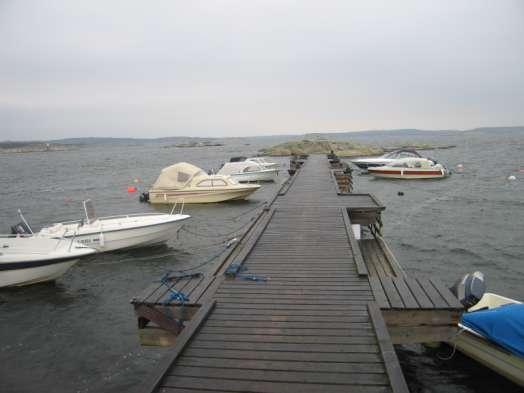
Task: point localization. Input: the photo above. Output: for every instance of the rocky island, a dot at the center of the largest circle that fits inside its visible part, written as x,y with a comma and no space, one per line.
306,146
32,147
340,148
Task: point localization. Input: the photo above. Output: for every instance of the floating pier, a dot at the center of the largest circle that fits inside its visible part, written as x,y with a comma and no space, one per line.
303,303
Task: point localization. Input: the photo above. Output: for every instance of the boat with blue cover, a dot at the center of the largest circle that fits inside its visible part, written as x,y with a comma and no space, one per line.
492,333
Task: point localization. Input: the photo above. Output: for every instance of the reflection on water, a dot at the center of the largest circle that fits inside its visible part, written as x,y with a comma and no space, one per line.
79,335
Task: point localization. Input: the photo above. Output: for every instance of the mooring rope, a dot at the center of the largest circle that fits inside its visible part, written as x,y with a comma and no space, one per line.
454,346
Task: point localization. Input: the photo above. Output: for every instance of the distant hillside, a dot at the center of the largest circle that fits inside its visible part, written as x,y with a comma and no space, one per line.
342,149
366,135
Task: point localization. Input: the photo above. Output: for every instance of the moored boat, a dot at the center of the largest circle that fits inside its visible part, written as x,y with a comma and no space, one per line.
386,159
411,168
492,329
30,259
193,185
248,171
259,160
118,232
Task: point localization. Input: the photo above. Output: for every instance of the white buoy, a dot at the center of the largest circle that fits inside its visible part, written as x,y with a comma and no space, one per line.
512,177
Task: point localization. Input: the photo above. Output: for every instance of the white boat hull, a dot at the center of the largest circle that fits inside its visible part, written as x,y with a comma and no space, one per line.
492,356
407,173
129,238
266,175
27,276
27,260
204,196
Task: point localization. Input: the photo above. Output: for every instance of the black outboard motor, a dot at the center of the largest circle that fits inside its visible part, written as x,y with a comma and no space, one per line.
469,289
21,229
144,197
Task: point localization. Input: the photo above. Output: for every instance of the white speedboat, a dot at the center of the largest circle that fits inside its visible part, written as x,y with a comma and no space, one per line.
386,159
259,160
193,185
492,329
410,168
265,163
248,171
29,259
118,232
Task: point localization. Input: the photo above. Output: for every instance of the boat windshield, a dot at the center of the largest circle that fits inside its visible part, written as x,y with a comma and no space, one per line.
401,154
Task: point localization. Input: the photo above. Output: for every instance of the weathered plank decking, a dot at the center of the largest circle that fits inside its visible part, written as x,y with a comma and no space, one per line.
309,324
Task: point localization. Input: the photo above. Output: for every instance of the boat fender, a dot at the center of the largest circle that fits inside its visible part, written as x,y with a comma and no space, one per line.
469,289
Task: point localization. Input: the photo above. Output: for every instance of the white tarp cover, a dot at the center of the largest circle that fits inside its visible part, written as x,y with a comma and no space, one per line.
177,176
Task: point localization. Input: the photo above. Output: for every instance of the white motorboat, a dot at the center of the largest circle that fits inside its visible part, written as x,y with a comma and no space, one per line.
259,160
193,185
248,171
265,163
492,329
119,232
29,259
386,159
410,168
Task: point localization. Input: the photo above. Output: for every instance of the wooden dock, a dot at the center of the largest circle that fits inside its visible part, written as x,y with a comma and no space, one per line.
300,305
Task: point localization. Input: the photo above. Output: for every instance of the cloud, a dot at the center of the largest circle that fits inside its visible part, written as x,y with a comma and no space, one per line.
235,67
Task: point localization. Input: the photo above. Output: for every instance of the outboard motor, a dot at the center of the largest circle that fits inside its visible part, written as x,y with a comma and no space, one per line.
21,229
144,197
469,289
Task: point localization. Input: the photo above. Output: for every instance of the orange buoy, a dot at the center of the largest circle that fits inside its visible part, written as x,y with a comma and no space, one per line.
131,189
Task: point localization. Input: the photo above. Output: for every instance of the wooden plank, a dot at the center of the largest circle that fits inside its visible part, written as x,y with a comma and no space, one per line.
312,377
292,318
395,266
418,293
286,356
422,334
286,347
391,292
404,292
359,261
409,318
289,331
255,338
446,293
287,324
153,382
396,378
376,285
374,368
235,385
432,293
237,262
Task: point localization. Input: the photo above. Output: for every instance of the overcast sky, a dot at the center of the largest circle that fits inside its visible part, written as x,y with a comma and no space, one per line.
246,67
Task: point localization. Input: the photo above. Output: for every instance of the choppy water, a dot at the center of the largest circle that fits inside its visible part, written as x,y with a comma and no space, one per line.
80,335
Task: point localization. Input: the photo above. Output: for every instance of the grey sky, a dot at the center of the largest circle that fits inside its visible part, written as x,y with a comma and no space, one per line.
245,67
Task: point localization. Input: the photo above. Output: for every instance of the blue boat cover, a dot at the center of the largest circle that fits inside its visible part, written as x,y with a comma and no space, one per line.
503,325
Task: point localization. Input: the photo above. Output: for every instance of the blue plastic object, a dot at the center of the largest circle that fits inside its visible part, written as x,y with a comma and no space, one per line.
503,325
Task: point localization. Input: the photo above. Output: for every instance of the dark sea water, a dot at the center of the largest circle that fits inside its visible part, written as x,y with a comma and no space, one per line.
79,335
